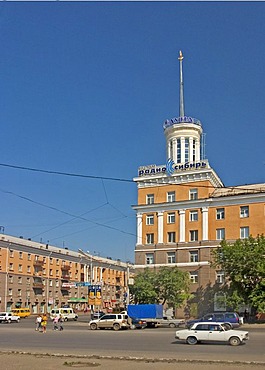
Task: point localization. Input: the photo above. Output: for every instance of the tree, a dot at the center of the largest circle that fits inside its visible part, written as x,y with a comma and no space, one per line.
243,263
167,285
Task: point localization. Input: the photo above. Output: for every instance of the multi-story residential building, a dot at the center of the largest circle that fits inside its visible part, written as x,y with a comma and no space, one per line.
184,210
41,276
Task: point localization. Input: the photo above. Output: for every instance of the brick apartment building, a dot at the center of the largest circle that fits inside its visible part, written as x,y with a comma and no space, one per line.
184,210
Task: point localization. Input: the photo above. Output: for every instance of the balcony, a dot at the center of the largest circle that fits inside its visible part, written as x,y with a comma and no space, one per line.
65,277
38,263
65,268
37,285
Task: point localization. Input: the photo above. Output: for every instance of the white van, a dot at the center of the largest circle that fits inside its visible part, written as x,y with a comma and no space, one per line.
66,313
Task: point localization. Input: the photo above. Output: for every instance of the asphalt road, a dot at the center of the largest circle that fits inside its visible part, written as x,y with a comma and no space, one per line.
77,339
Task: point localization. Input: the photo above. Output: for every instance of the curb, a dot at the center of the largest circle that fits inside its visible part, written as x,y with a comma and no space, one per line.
135,359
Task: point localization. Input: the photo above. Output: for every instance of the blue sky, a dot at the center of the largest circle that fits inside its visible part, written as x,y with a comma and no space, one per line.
85,88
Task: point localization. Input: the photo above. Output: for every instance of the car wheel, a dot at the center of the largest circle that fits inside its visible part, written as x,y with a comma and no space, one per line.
228,324
171,325
18,320
93,326
234,341
116,327
65,319
192,340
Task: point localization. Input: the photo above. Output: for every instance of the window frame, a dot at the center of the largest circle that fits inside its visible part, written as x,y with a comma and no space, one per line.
194,235
171,218
244,211
150,219
193,194
150,238
194,216
244,229
171,257
149,258
222,232
171,196
150,198
220,213
171,237
194,256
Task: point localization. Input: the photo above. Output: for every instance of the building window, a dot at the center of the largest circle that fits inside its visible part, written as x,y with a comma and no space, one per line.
178,151
28,281
21,255
20,268
19,292
220,277
220,214
50,283
244,232
10,292
11,253
10,279
28,268
149,238
171,257
171,196
194,150
171,237
51,260
244,211
194,277
149,219
193,215
171,218
187,147
220,234
193,194
57,261
50,272
29,257
57,272
150,199
57,284
194,235
149,258
194,256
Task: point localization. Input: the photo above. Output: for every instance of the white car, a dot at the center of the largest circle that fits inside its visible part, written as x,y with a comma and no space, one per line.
213,332
110,321
8,317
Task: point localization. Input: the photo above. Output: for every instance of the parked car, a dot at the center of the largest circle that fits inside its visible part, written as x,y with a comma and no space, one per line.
212,332
138,324
97,315
110,321
171,323
231,318
8,317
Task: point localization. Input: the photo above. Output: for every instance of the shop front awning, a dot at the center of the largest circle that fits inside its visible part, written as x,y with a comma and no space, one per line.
77,300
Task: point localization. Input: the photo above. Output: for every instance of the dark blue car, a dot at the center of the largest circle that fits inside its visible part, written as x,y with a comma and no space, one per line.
231,318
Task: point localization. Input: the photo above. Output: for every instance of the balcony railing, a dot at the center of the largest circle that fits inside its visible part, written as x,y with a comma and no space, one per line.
38,263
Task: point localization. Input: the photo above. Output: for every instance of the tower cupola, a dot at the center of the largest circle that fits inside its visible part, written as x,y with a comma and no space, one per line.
183,134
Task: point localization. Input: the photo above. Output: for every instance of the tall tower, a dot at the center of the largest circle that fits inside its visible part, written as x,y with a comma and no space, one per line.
183,133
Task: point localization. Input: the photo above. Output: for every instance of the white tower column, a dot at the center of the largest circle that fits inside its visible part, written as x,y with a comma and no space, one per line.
182,225
174,150
190,149
160,230
139,228
205,223
182,149
197,150
168,149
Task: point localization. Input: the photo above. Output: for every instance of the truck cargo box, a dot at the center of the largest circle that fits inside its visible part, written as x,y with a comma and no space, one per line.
145,311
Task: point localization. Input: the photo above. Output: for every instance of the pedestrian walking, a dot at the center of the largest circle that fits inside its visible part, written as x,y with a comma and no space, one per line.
60,323
38,323
55,323
44,323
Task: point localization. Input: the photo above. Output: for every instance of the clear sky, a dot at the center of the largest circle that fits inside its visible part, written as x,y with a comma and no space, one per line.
85,88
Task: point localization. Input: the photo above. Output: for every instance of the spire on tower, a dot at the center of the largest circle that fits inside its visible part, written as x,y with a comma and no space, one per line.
181,87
